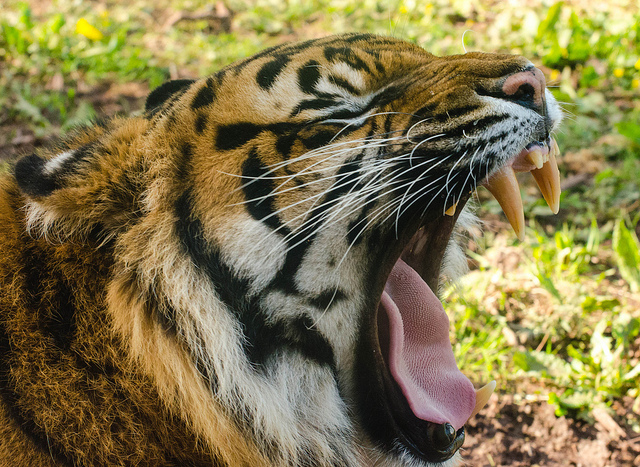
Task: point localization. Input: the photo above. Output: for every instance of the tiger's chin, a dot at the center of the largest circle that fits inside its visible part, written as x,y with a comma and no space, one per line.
416,397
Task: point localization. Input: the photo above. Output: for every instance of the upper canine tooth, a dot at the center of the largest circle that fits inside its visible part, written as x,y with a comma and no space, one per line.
548,179
452,209
482,396
536,158
505,189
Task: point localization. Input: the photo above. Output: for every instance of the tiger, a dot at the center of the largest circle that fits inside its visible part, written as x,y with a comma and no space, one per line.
247,271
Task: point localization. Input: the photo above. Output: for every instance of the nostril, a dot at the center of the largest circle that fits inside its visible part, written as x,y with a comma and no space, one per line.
525,92
525,88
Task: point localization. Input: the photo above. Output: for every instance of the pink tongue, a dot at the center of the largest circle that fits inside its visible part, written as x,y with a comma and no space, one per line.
420,356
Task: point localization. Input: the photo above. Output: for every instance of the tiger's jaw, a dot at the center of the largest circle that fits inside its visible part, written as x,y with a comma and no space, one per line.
419,394
418,398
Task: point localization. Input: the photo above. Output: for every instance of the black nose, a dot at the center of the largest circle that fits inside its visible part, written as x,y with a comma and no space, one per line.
526,88
443,436
445,440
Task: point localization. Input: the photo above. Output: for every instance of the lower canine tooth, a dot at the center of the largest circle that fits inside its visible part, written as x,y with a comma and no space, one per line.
482,396
505,189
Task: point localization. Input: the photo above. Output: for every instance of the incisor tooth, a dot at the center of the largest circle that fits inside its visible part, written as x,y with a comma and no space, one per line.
553,148
482,396
548,179
452,209
505,189
536,158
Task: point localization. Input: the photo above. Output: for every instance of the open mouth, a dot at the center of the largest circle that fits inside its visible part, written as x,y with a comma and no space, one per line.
427,400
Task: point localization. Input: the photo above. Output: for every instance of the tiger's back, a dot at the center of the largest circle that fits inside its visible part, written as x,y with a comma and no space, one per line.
207,283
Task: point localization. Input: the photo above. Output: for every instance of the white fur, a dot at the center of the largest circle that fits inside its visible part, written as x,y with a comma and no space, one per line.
56,163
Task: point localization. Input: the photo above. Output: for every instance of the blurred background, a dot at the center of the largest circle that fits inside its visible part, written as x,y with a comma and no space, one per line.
554,319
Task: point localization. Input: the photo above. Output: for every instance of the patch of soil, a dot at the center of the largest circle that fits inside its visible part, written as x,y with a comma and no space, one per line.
108,100
508,433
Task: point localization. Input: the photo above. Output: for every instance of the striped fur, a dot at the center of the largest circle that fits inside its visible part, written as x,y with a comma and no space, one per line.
190,286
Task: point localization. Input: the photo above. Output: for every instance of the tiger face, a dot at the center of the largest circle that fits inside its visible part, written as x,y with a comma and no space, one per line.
276,235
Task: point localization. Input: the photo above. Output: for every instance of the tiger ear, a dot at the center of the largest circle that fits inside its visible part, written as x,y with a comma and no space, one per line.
38,177
91,184
162,93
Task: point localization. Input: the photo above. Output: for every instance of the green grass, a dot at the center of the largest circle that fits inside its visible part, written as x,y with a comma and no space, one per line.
561,316
552,311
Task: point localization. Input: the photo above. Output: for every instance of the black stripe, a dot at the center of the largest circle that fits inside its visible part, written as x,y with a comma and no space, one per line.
281,49
474,126
205,96
357,37
318,139
371,40
29,173
523,96
454,113
347,55
284,143
263,337
203,363
284,280
357,227
236,135
426,110
327,298
297,335
344,84
31,178
470,128
51,296
201,122
58,317
161,312
159,95
267,75
308,76
312,104
262,209
499,137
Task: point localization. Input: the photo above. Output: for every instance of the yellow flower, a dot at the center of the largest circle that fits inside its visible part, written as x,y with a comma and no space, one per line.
555,74
403,9
635,83
618,72
84,28
637,65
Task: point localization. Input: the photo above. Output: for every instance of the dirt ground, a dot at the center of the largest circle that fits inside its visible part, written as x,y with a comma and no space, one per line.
522,434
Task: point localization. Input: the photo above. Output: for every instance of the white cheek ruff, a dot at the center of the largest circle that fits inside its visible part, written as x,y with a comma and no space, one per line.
247,239
454,263
553,109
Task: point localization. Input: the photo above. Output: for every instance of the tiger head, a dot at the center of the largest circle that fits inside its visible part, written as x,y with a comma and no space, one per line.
280,231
